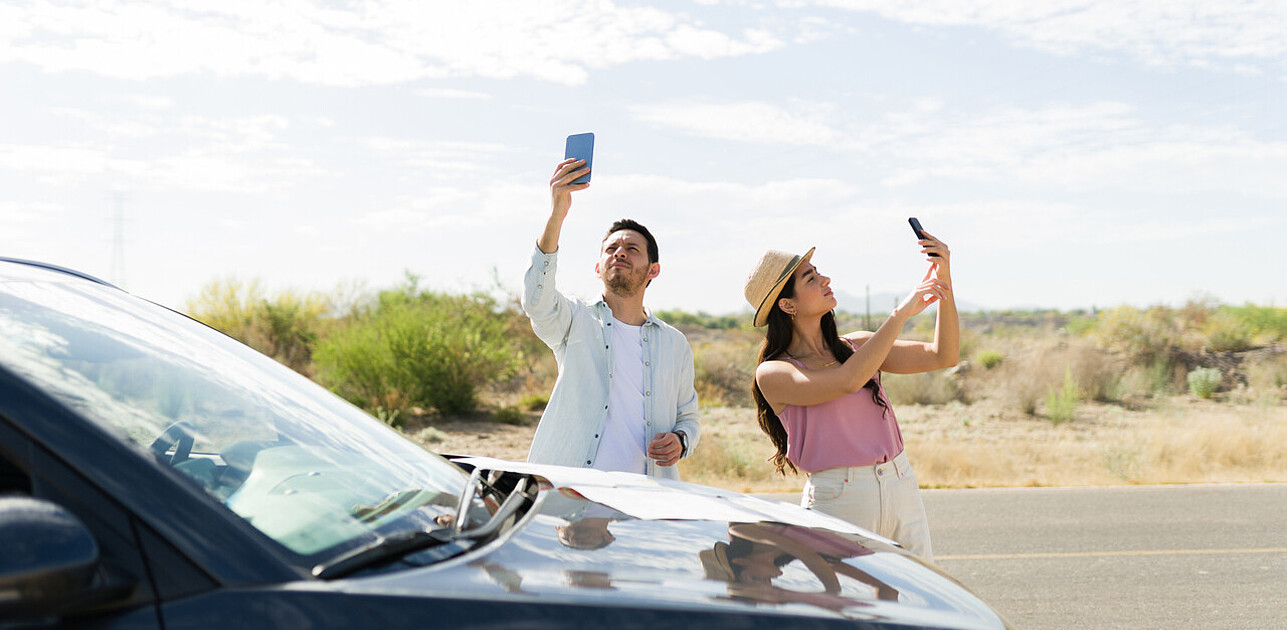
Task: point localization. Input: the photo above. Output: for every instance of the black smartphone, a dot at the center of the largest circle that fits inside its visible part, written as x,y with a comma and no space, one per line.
581,147
920,233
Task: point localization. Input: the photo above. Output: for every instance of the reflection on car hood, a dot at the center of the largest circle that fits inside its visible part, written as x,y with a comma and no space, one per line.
630,540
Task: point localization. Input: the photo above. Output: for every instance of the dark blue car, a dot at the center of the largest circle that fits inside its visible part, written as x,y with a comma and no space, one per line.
155,473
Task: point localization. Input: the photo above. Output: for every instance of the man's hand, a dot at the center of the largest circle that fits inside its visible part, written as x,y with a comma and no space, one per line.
561,189
665,448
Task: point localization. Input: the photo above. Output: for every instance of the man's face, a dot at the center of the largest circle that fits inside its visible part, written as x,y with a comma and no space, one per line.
623,263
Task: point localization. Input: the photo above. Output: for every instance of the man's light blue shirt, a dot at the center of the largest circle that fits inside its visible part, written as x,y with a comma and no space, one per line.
581,338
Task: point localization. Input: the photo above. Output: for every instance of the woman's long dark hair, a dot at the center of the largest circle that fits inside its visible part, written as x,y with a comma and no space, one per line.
776,341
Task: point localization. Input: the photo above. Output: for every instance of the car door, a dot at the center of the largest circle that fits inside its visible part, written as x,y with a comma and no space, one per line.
122,592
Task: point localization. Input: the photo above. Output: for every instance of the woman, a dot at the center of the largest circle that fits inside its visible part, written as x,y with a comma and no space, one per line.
819,395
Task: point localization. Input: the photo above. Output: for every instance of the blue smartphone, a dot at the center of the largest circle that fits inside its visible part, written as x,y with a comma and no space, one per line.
581,147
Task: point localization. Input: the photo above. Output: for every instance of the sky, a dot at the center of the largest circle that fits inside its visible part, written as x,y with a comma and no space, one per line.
1071,153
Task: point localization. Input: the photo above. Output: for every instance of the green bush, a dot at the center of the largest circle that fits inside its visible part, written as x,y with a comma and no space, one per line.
989,359
1144,335
1164,375
1061,404
285,327
1203,382
534,402
1263,320
1226,332
418,348
510,415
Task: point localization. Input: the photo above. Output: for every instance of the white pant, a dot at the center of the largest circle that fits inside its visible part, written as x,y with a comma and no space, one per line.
883,498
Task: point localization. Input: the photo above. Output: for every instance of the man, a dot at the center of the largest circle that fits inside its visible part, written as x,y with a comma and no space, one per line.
624,397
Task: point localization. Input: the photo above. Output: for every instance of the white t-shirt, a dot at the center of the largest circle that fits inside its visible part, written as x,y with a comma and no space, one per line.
625,441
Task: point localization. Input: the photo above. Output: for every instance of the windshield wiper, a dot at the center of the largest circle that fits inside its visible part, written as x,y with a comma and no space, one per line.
383,548
517,497
401,543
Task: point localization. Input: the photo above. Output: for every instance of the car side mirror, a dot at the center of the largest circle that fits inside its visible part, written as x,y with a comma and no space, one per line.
49,558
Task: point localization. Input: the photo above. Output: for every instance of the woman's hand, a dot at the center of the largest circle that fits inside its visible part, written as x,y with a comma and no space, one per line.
930,245
930,290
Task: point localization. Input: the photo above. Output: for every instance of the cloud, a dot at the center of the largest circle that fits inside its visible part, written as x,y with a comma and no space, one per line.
436,160
72,160
453,94
1093,145
374,43
239,154
1233,36
745,122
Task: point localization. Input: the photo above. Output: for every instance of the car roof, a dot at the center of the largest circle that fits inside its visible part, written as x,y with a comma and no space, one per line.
56,268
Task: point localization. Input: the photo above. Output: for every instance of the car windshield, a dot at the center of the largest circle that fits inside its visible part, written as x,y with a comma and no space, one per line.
298,463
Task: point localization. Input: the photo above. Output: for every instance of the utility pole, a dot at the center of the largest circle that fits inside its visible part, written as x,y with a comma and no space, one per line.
867,320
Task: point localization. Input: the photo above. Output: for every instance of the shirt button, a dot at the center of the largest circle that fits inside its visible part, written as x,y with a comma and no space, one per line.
647,393
647,363
587,462
596,435
540,286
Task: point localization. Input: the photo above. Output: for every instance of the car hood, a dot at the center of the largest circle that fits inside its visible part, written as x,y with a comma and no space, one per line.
631,540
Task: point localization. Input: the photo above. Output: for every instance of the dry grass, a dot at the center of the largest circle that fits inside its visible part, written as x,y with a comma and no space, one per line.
1184,440
1181,440
1127,423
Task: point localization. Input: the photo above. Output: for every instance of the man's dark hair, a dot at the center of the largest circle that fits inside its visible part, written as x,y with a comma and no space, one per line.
631,224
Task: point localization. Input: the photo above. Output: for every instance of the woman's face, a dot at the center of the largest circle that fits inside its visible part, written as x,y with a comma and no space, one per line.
813,294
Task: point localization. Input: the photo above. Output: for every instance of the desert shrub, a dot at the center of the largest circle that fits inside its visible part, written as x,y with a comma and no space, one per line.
285,327
722,372
1203,382
418,348
701,319
1080,324
510,415
1266,321
430,435
989,359
534,402
1021,388
1095,371
1061,403
391,417
1135,382
1267,373
1026,377
928,388
1226,332
1142,335
1166,375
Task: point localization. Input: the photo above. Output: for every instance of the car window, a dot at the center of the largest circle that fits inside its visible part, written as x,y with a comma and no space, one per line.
301,465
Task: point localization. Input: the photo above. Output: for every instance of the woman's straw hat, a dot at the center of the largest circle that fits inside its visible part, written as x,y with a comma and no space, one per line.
765,283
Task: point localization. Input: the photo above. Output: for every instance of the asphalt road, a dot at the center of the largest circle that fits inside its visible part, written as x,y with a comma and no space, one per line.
1206,556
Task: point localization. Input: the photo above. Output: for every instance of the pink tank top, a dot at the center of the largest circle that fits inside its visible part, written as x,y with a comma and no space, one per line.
849,431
